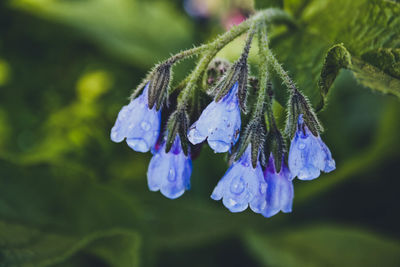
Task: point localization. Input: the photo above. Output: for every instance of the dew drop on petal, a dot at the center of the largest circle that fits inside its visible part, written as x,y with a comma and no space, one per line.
263,188
171,175
145,125
232,202
195,137
301,145
237,185
138,144
231,106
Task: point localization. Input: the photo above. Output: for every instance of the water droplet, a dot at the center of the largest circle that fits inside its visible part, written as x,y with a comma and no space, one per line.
114,134
137,144
237,185
195,137
301,145
231,106
145,125
171,175
246,164
232,202
263,188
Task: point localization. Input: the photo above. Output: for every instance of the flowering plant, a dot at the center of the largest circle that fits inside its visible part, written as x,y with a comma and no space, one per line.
256,145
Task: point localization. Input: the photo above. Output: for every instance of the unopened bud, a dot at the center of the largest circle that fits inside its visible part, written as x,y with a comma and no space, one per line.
298,104
253,135
159,83
217,68
178,123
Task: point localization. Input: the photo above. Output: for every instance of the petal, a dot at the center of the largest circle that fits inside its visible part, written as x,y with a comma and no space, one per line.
158,170
169,172
196,136
138,124
279,192
330,164
235,193
125,119
306,158
178,178
143,136
259,201
241,186
219,122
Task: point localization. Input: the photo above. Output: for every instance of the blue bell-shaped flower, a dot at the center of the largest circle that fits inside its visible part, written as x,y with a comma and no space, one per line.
308,154
219,123
242,186
138,124
170,172
280,190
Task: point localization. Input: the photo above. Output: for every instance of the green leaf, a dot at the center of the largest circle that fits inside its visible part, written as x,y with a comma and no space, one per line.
27,246
370,31
386,59
375,78
117,248
337,58
117,25
324,245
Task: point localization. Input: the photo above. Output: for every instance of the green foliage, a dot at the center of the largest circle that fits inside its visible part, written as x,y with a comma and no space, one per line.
322,245
361,27
118,25
337,58
22,246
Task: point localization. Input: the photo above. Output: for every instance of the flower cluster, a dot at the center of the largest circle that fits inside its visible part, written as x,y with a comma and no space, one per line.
261,171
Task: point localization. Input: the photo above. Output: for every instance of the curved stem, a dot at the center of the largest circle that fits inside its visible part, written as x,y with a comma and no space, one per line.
273,63
187,53
267,15
264,73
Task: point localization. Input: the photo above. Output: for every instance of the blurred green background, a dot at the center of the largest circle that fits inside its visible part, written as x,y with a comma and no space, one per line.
71,197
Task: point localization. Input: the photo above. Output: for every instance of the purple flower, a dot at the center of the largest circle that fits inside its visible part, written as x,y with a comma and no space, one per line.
308,154
170,172
219,123
138,124
242,185
280,189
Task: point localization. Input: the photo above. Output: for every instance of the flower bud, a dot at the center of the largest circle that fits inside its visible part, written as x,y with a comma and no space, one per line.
276,148
237,73
299,104
254,134
178,124
215,71
159,83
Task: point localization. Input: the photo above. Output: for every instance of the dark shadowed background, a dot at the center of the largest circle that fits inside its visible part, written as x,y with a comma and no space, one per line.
71,197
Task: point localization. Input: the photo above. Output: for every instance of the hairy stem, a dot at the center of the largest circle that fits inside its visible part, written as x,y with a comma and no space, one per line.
265,87
267,15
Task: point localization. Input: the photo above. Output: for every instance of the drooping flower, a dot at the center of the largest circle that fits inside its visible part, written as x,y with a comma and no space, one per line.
170,172
280,189
308,154
242,186
138,124
219,123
